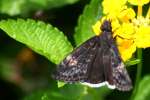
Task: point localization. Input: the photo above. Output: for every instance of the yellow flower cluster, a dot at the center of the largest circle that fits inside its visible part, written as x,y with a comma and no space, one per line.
131,30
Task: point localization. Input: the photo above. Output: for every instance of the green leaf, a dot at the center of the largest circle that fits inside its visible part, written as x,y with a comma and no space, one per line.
15,7
143,90
60,84
42,38
91,14
132,62
96,93
44,95
73,91
70,92
67,92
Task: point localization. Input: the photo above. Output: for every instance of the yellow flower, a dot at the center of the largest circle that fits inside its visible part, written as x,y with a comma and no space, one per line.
139,2
125,46
131,32
113,7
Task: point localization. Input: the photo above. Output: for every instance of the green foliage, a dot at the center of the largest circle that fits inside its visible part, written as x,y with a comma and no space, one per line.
132,62
70,92
42,38
5,70
91,14
15,7
11,7
143,90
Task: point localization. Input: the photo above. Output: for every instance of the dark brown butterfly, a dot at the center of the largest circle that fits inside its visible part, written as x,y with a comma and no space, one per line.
96,62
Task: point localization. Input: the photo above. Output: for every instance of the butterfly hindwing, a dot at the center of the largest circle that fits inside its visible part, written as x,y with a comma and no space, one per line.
115,71
121,78
114,68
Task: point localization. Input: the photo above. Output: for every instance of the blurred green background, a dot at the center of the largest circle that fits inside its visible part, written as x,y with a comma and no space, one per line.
25,75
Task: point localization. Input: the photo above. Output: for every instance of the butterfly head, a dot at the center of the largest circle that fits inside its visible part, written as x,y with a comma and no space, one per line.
106,26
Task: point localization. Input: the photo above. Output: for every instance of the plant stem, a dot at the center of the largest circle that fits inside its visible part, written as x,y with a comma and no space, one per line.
139,67
138,74
139,56
139,13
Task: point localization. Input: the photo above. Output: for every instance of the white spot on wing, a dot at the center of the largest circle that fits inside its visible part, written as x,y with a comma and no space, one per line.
99,85
69,57
72,61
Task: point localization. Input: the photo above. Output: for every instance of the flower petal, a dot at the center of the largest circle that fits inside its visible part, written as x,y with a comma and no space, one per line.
113,7
126,48
126,15
115,24
142,37
126,30
96,28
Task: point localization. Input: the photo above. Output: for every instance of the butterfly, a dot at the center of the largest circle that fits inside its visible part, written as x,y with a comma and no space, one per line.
95,63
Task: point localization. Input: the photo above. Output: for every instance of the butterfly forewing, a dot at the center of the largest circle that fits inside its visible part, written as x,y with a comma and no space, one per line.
74,67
